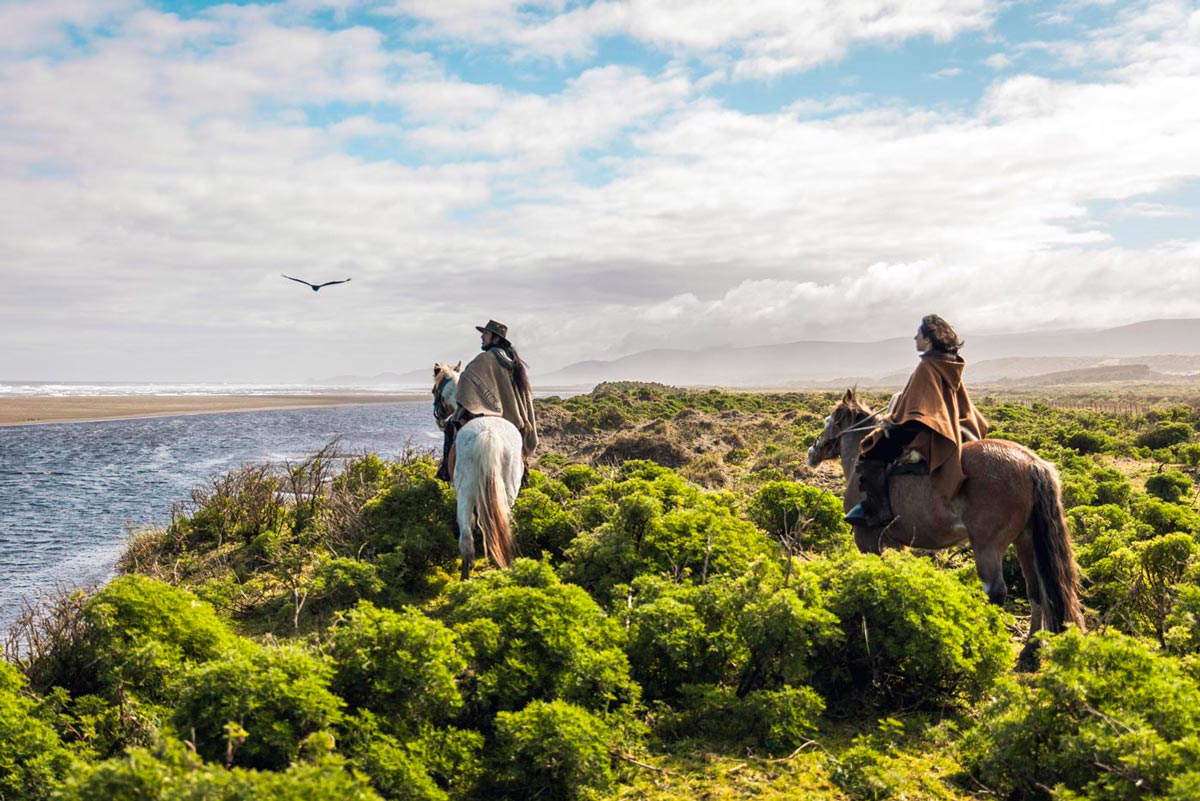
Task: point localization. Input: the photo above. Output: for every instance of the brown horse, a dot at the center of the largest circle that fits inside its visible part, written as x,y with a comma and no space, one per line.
1011,497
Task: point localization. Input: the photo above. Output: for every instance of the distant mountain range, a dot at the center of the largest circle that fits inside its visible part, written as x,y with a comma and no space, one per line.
1167,348
1146,351
413,378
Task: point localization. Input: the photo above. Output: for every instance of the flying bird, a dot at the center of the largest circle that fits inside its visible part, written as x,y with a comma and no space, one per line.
315,287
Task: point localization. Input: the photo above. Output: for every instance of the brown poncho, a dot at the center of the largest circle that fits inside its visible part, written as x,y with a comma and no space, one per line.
486,388
936,398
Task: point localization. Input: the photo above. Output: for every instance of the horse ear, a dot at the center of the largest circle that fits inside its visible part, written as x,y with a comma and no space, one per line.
848,397
458,366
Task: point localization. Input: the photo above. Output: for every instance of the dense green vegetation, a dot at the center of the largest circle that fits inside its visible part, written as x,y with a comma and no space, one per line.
690,619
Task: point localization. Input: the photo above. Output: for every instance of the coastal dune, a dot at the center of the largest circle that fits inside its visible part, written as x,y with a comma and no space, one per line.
32,410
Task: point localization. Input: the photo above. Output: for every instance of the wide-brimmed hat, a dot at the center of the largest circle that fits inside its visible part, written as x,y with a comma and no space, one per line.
493,327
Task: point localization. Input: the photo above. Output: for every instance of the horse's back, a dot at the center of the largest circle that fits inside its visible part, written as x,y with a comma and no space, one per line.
489,443
486,428
991,460
997,489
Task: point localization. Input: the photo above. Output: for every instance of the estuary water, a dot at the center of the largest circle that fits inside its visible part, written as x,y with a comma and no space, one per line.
71,492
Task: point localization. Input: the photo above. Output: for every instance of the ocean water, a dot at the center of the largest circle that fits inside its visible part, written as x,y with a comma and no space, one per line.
71,492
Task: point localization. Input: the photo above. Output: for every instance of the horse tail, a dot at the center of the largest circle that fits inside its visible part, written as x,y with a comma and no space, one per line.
491,508
1053,558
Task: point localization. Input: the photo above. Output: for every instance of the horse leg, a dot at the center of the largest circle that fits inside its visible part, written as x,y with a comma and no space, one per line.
1025,556
989,566
463,527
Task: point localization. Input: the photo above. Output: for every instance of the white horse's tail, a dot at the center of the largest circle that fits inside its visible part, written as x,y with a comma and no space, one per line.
487,477
491,510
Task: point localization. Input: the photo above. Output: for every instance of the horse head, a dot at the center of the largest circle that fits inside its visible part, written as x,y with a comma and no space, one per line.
445,386
848,413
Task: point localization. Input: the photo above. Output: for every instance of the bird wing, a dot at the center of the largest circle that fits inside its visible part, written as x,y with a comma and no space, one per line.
331,283
297,280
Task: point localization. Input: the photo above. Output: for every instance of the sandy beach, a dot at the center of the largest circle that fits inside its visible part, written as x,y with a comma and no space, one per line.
30,410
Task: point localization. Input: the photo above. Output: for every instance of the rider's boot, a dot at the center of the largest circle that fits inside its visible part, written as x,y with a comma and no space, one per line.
875,508
443,471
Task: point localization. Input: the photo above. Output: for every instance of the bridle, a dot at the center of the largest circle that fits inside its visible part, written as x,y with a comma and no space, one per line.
440,413
866,422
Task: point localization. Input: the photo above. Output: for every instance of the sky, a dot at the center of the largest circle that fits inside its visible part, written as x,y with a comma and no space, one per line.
604,177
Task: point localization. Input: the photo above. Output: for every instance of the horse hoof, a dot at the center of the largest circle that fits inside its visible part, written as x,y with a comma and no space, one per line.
1029,659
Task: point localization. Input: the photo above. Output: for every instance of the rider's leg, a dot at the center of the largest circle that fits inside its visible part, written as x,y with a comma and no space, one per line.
875,508
451,429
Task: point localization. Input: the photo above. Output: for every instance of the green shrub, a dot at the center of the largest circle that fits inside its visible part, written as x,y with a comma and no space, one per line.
170,773
1085,441
1183,621
1106,718
394,771
768,721
865,771
1189,454
812,517
410,525
340,583
237,506
1134,586
142,634
1089,523
1165,517
578,478
542,524
748,633
1164,435
910,635
670,642
402,665
256,705
552,750
532,637
1170,486
32,758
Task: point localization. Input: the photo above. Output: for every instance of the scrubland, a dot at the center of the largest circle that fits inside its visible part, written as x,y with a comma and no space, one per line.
689,619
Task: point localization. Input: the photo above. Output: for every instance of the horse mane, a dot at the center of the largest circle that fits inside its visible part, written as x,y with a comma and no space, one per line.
441,368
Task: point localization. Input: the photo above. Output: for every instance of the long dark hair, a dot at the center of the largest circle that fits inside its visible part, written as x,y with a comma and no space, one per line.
940,334
520,369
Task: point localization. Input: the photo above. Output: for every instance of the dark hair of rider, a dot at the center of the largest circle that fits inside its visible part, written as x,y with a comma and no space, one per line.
939,332
520,369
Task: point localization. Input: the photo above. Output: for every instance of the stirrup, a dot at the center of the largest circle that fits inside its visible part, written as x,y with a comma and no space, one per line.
857,516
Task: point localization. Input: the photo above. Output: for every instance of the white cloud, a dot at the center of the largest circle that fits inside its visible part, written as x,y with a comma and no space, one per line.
185,163
766,37
35,24
998,61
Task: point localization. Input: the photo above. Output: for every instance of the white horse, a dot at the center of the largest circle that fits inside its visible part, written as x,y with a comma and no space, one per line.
486,471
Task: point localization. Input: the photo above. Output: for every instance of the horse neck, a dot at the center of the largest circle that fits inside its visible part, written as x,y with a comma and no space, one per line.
450,396
850,445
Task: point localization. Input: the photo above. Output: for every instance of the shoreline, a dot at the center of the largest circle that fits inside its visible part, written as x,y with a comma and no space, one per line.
31,410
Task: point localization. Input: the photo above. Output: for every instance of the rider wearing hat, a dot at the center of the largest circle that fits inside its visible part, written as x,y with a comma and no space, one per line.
494,384
932,416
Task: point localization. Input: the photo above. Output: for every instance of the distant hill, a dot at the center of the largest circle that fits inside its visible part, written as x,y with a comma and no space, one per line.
1094,375
409,379
1162,346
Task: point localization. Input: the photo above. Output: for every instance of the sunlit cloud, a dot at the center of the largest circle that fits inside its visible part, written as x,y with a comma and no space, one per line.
778,176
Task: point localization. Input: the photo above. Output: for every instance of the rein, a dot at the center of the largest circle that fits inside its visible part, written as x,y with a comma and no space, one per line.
861,425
